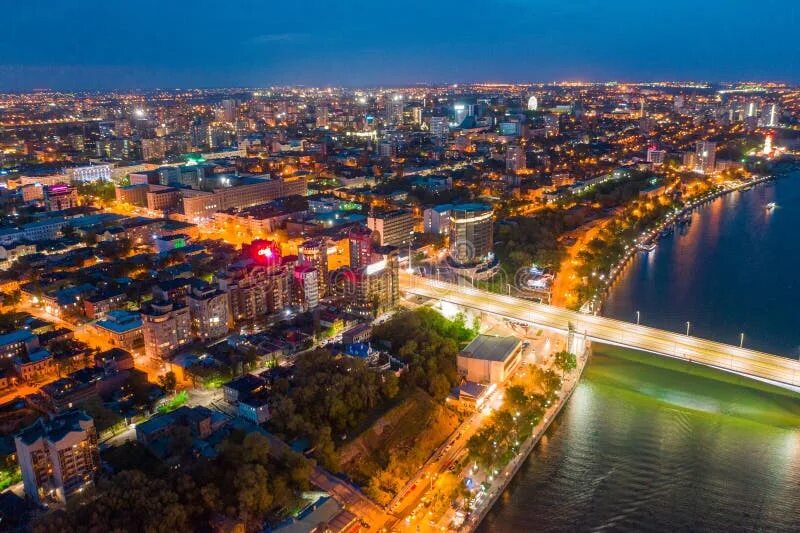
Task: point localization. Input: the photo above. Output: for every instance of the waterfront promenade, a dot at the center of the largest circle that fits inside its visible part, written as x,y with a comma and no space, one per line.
504,477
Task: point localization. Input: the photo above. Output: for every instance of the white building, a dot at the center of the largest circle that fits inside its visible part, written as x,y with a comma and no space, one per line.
490,359
58,457
436,219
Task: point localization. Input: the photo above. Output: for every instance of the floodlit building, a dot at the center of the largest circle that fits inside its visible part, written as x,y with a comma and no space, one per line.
471,233
489,358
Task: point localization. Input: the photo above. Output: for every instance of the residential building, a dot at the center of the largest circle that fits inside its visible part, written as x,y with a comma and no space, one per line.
392,228
58,457
166,326
208,307
705,157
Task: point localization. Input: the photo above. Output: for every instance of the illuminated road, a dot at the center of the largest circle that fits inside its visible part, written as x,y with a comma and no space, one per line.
758,365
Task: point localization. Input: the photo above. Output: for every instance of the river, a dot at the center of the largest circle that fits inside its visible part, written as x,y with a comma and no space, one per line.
653,444
733,271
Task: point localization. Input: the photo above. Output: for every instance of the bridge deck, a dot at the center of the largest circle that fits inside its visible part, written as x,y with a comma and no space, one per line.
751,363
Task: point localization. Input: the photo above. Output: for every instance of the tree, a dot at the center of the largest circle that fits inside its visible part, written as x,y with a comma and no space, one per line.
168,381
565,361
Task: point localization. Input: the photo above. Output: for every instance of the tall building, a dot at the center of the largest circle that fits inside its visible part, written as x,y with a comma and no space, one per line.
360,243
257,286
394,109
208,309
166,326
315,253
305,286
471,233
393,228
440,130
515,158
705,157
770,116
230,110
58,457
373,289
321,115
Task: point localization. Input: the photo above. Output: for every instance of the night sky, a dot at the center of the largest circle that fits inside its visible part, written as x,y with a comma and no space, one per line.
94,44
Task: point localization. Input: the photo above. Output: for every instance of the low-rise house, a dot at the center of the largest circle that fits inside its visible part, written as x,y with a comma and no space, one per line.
121,329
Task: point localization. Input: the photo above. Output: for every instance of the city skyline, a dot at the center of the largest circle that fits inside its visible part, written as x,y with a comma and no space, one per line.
95,46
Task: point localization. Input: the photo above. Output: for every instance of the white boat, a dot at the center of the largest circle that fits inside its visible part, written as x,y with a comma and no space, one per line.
646,246
771,206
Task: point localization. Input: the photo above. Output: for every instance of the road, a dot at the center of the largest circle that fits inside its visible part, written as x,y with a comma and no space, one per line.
758,365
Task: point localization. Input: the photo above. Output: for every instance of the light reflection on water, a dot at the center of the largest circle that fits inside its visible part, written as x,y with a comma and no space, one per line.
637,450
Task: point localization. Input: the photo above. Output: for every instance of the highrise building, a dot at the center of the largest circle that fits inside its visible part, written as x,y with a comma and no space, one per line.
394,228
515,158
305,286
360,241
230,109
166,326
770,116
208,308
322,116
705,157
58,457
440,130
315,253
471,233
257,286
394,109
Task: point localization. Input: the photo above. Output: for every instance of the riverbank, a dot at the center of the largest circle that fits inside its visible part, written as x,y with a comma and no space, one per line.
644,446
668,223
503,478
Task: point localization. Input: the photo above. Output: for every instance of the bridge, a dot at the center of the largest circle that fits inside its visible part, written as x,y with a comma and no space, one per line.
774,369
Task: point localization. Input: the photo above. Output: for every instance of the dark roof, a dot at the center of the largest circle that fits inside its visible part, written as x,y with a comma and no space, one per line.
491,348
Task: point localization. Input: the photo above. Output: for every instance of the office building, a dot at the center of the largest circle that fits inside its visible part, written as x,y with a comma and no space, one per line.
200,206
471,233
392,228
166,327
58,457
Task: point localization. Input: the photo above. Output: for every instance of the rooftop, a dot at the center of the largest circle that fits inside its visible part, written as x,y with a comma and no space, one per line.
491,348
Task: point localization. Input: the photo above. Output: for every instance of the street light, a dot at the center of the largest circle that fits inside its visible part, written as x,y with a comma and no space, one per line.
637,317
741,339
688,325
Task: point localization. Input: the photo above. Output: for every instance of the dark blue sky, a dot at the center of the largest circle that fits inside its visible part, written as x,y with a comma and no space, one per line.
101,44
